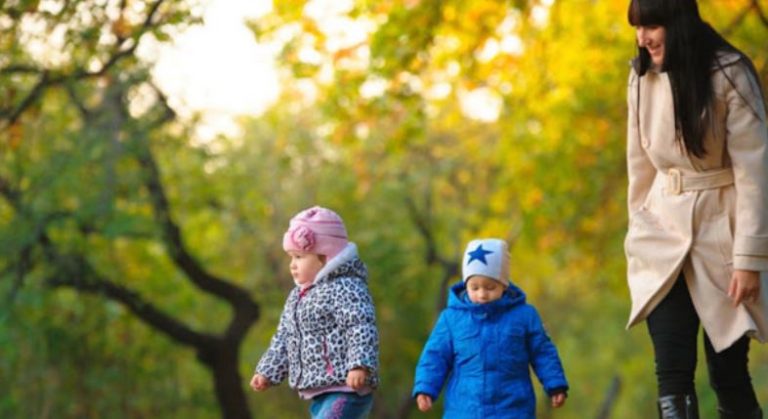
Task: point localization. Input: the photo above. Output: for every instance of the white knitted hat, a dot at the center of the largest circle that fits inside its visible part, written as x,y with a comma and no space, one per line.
488,257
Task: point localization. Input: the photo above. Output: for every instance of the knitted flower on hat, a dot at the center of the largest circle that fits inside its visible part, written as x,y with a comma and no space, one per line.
316,230
303,238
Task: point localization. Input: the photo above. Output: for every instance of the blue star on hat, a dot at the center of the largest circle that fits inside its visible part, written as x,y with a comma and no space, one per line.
479,254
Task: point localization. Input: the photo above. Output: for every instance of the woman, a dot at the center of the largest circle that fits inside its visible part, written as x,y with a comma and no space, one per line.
697,243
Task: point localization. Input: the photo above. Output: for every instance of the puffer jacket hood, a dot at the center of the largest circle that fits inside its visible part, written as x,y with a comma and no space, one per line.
459,299
346,263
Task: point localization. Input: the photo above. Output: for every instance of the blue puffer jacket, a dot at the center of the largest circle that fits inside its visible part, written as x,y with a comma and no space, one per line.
483,351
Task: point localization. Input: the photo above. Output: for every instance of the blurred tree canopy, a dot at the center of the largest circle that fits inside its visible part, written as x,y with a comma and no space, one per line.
424,123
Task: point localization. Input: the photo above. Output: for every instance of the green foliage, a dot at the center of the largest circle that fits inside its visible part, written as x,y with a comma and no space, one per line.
387,142
66,355
548,174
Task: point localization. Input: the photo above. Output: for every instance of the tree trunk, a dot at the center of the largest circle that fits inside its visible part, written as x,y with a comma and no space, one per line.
227,381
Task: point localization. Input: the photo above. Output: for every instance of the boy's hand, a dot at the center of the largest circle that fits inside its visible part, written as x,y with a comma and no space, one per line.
424,402
558,399
259,382
356,378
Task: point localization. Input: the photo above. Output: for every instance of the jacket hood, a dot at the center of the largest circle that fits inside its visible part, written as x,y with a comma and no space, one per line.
345,264
459,299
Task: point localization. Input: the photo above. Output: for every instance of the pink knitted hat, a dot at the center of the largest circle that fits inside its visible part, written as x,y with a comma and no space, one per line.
316,230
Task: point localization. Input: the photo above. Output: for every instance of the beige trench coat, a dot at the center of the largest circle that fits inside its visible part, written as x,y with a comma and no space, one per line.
702,216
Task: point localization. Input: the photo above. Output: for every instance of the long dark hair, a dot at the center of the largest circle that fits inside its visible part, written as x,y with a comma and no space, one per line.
690,54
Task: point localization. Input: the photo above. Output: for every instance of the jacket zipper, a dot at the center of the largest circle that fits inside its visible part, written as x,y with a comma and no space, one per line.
328,365
298,332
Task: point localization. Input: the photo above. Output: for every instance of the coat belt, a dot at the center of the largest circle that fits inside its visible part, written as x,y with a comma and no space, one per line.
678,181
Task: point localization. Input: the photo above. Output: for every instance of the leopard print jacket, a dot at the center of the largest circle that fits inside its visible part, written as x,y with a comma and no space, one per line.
327,330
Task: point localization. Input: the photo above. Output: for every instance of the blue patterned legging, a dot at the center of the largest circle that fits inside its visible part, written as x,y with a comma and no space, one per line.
338,405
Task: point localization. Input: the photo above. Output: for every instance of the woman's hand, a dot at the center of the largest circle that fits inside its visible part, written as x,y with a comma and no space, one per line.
356,378
424,402
745,286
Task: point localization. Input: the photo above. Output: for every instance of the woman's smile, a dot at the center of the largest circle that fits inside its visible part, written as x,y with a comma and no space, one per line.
653,39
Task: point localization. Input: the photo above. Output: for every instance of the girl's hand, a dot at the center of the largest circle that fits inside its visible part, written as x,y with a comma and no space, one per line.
424,402
745,287
558,399
259,382
356,378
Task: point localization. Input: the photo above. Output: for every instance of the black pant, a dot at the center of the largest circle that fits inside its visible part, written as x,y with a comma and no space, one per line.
673,326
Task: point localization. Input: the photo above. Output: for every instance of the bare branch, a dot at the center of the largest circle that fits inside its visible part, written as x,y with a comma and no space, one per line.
75,272
450,268
737,20
85,113
760,13
9,193
423,226
609,399
246,310
120,51
20,69
18,270
168,114
48,79
33,95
